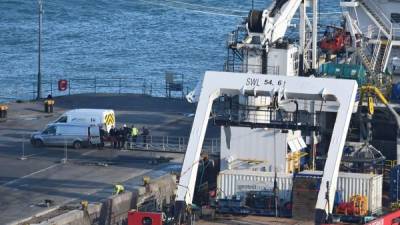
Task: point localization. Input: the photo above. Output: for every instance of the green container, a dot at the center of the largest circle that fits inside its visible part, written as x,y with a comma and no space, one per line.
345,71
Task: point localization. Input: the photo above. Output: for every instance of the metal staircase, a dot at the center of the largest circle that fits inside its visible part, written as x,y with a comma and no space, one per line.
365,61
385,55
376,18
235,55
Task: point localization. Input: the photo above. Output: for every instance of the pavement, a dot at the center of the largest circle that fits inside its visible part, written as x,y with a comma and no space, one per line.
87,173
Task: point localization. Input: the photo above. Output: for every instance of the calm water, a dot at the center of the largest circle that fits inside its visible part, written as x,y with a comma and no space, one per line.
118,38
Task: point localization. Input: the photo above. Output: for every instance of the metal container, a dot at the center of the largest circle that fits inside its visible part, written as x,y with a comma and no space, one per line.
237,182
369,185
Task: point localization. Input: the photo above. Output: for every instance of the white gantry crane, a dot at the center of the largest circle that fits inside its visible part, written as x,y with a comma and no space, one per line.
217,84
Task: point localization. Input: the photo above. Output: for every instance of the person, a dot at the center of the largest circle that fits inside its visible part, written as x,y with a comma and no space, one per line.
113,136
145,133
102,134
118,134
134,134
119,189
125,134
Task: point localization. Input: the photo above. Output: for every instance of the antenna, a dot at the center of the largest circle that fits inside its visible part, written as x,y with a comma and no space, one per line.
39,75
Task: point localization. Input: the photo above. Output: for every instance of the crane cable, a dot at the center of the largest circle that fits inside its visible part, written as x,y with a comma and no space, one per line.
194,10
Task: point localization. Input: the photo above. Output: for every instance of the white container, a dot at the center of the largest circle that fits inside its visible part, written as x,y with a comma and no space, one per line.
236,182
369,185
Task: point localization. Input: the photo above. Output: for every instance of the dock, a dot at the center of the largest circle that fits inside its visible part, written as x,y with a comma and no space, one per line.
29,176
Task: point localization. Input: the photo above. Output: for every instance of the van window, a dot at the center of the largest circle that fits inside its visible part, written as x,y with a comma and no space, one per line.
50,130
62,119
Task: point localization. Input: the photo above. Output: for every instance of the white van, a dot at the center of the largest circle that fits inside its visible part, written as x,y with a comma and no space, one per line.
74,135
97,117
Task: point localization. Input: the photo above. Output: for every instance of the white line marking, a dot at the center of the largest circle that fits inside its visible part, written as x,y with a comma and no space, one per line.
35,154
89,152
31,174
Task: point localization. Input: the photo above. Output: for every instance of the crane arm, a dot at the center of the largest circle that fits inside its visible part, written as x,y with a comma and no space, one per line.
273,22
277,19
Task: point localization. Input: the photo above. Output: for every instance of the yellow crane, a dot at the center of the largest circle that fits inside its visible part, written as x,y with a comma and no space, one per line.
370,90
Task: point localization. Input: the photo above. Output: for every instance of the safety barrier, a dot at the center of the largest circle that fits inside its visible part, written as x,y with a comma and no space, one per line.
14,88
173,144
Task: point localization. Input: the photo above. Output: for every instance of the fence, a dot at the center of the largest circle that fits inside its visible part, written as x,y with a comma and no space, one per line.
173,144
15,88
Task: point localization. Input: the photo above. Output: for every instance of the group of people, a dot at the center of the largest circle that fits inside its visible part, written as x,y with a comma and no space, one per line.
120,136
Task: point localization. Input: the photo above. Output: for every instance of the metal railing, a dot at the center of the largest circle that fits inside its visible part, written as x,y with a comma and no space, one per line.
173,144
394,29
244,68
15,88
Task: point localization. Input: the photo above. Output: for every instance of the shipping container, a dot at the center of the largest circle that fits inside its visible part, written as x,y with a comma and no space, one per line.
345,71
237,182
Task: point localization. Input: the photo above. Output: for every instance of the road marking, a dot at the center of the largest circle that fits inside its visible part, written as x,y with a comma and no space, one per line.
31,174
35,154
89,152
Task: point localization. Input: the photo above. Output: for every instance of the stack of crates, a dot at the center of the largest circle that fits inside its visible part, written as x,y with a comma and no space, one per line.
394,192
345,71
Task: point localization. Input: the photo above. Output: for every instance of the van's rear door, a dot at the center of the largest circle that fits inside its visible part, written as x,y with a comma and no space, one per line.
109,119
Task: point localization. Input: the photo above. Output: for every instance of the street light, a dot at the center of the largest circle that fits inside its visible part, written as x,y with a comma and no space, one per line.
39,75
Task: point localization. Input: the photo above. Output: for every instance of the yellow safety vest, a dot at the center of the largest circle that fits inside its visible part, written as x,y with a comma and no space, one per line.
135,132
118,189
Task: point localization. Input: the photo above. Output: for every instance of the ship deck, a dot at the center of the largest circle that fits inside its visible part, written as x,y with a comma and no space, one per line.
88,174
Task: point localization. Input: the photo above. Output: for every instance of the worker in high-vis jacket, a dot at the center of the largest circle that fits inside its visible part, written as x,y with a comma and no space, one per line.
134,134
118,189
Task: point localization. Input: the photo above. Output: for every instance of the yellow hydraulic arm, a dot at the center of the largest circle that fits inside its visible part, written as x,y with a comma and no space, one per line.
374,90
377,92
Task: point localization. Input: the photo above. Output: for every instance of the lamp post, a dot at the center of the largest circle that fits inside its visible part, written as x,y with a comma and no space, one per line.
39,75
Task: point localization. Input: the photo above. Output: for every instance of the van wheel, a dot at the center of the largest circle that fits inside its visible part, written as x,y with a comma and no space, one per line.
77,145
38,143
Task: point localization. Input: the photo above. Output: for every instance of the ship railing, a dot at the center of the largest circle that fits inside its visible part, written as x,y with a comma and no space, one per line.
245,68
15,88
396,32
382,16
249,116
172,144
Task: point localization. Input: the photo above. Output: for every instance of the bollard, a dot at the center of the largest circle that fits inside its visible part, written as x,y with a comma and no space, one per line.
48,105
23,157
3,112
65,159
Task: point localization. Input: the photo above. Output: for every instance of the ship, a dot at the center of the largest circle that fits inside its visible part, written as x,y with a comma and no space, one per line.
307,130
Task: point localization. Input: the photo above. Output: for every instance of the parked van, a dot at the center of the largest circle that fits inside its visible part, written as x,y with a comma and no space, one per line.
59,134
97,117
